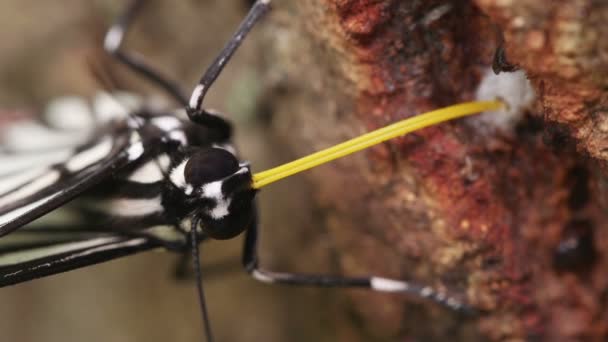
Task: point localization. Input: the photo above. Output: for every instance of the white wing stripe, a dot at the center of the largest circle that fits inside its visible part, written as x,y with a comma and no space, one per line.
177,175
13,214
18,179
147,173
88,157
33,187
10,164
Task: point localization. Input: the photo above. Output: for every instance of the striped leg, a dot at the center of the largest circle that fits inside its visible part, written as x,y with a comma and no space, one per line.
113,41
250,261
257,11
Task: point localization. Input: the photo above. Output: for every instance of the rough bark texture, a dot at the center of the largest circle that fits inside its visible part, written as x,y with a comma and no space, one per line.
563,47
463,206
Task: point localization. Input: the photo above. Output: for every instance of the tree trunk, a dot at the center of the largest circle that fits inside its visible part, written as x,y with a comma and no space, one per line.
505,213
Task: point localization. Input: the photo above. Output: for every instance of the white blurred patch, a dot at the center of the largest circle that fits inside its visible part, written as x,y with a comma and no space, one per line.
69,113
116,106
10,164
113,38
512,87
31,136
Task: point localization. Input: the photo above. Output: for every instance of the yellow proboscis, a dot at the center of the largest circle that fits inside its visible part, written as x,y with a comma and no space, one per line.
364,141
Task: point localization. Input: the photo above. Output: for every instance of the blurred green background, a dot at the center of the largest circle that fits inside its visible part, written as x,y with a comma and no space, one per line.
46,48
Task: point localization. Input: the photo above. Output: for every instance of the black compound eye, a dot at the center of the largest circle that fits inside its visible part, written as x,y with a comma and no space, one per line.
210,165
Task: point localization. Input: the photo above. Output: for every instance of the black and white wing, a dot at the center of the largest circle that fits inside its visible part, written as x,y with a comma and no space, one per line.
48,180
32,253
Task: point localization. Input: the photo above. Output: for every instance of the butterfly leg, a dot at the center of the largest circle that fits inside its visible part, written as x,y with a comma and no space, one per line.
195,109
113,42
374,283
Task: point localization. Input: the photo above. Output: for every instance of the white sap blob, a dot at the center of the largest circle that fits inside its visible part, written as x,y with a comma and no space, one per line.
512,87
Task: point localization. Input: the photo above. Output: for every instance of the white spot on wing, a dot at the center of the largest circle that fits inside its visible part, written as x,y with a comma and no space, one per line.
136,148
164,161
135,151
91,156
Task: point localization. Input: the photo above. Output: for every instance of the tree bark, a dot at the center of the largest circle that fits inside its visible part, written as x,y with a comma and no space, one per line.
475,207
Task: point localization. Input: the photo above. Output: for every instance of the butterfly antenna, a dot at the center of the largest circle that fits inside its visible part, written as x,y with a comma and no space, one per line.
196,263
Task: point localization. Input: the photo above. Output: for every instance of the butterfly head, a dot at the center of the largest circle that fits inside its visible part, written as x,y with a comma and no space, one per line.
219,187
